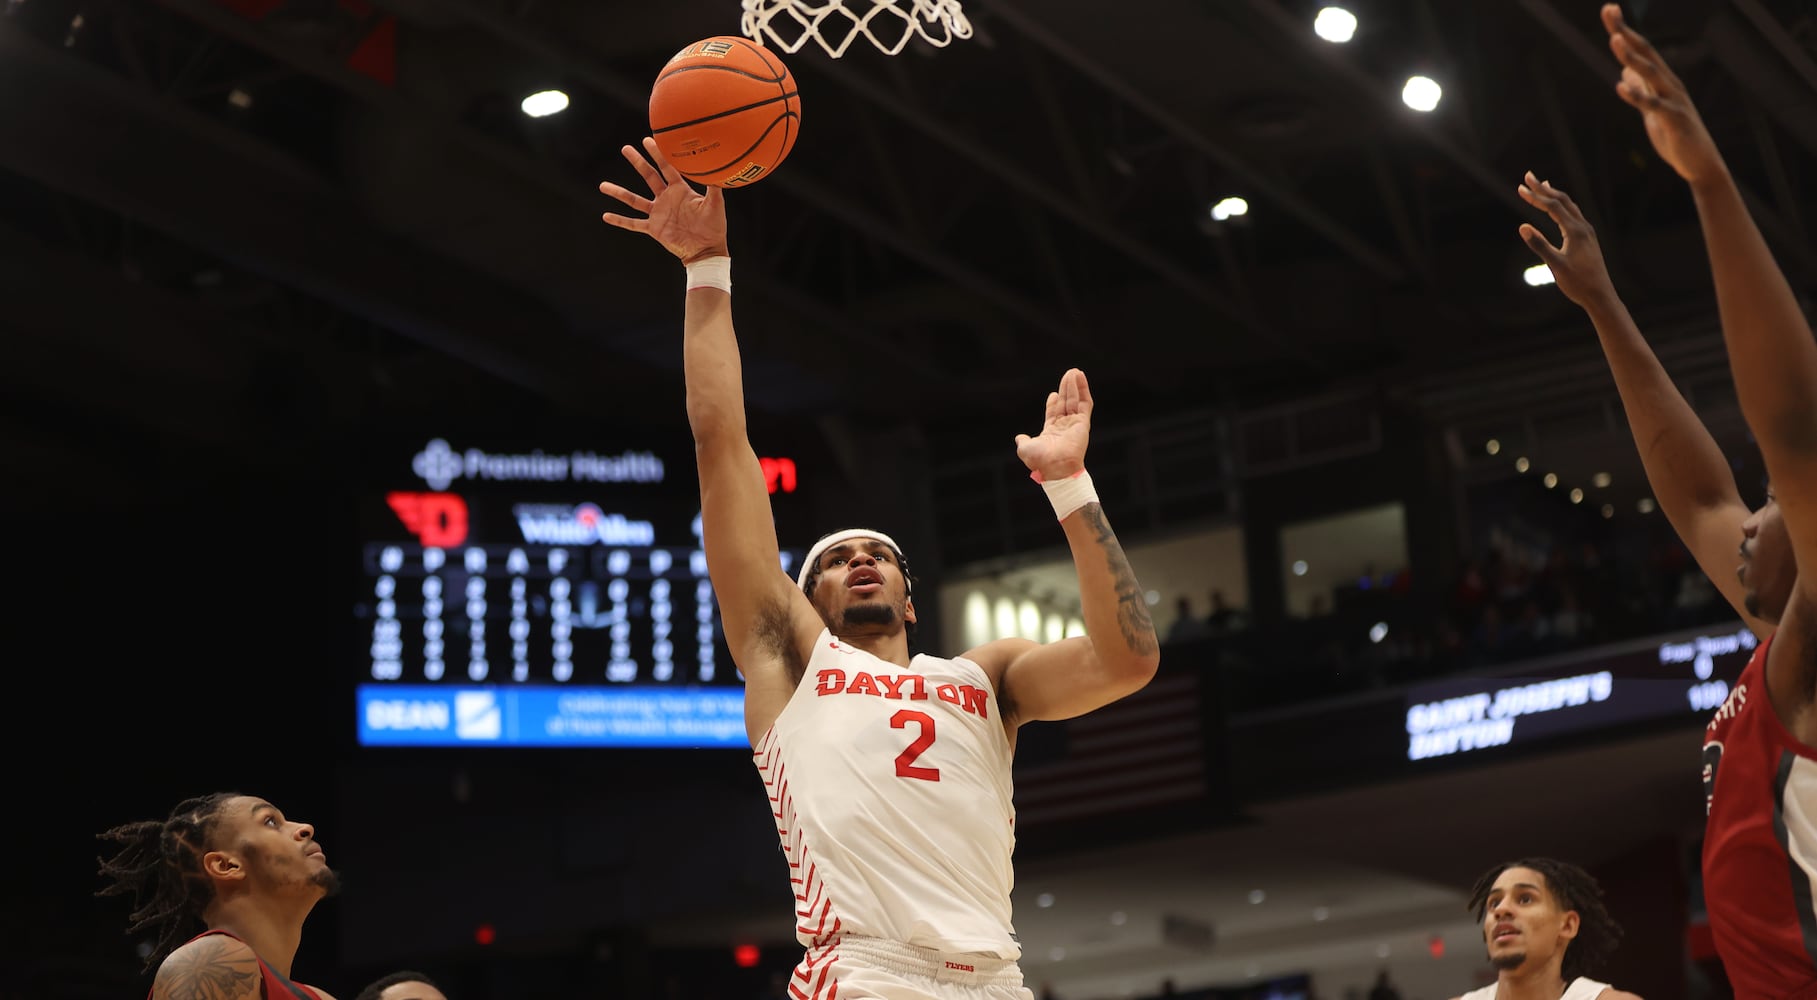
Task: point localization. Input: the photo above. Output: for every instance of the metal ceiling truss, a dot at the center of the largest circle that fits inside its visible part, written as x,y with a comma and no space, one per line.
908,234
210,185
324,62
1757,57
1383,101
1255,178
902,234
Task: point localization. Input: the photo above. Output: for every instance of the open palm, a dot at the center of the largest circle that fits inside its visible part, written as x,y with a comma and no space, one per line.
1059,450
688,223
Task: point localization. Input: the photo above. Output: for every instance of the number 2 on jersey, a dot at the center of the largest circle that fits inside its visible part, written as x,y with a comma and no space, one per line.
905,761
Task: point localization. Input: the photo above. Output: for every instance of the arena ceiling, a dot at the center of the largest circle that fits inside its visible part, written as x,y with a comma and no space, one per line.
244,229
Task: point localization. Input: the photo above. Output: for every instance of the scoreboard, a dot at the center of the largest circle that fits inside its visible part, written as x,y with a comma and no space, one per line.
1671,677
541,598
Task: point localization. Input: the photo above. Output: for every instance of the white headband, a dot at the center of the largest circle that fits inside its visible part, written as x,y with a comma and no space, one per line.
820,547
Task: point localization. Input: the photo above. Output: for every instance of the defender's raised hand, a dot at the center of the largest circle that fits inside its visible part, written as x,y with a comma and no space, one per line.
688,224
1577,263
1673,124
1059,450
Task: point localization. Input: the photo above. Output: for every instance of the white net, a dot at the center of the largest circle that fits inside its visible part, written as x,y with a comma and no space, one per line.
889,24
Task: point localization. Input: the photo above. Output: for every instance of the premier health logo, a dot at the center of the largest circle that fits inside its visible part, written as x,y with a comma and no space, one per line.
477,716
437,464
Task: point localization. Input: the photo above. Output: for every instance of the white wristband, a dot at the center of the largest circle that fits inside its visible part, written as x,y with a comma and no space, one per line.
711,272
1070,494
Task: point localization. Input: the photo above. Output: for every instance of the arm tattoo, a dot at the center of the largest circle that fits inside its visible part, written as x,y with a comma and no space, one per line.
210,975
1132,608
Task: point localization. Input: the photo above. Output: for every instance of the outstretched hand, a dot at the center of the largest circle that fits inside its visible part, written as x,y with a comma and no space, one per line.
688,224
1673,124
1577,263
1059,450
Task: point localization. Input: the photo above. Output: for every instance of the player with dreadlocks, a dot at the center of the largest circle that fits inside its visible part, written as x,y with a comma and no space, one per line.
1546,930
233,868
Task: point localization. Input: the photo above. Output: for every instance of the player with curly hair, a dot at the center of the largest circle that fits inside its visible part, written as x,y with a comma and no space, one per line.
232,868
1546,931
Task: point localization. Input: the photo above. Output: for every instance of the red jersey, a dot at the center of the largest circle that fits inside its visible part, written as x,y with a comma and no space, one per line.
272,986
1760,844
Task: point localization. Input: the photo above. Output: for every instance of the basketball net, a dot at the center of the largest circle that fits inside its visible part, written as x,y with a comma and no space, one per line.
889,24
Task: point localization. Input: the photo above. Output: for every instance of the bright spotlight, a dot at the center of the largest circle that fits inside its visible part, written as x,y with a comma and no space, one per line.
1229,208
1538,275
1378,632
1335,24
1421,93
544,103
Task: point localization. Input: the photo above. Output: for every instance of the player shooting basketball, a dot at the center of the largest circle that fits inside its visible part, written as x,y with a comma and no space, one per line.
890,774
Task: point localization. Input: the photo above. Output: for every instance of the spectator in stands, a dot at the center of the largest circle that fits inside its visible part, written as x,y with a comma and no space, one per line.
1383,988
1186,625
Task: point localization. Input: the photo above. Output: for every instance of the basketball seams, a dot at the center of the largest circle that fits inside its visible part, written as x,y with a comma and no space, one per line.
787,119
726,113
722,68
775,67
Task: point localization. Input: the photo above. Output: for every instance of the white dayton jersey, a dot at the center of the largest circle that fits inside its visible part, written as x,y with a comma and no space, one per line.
891,788
1581,988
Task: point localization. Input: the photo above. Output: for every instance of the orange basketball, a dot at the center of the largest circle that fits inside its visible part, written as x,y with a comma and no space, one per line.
724,110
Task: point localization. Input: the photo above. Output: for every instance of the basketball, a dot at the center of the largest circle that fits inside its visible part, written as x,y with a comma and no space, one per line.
725,112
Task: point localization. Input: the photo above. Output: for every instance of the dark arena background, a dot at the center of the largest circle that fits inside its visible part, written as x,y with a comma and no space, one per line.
347,464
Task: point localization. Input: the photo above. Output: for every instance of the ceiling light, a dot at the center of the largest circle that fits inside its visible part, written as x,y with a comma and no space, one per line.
1551,480
1521,464
1421,93
1608,510
1538,275
1600,480
1645,506
544,103
1577,495
1044,900
1229,208
1299,567
1335,24
1378,632
239,98
1492,446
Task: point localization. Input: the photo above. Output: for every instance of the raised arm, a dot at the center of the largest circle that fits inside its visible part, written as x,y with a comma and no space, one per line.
1119,652
769,624
1684,466
1771,351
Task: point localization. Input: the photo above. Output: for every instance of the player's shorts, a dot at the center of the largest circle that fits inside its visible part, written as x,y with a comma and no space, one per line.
851,968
